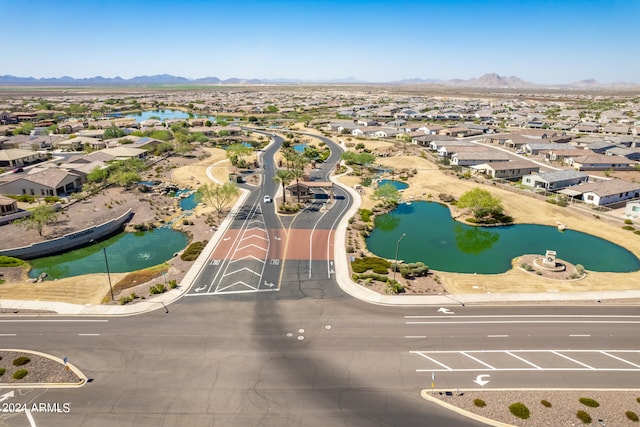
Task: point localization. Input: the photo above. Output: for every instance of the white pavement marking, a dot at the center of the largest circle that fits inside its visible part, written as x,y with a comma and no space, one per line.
53,320
431,359
32,422
518,316
88,335
505,322
415,336
523,360
580,335
619,358
497,336
7,335
478,360
574,361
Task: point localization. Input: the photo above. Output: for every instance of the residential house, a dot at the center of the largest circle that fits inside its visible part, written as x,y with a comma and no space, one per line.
426,140
607,192
16,157
468,156
600,162
629,153
561,155
616,129
511,170
445,148
587,128
124,152
41,183
459,132
555,180
534,148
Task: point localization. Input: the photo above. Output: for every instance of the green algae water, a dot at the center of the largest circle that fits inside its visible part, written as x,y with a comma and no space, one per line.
433,237
125,252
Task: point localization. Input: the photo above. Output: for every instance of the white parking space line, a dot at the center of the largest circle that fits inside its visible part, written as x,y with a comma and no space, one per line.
580,335
434,361
478,360
574,360
497,336
619,358
523,360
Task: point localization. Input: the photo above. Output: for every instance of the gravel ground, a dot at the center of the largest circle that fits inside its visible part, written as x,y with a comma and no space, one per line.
41,370
562,413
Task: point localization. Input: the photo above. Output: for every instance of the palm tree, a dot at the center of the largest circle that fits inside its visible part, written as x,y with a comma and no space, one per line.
283,177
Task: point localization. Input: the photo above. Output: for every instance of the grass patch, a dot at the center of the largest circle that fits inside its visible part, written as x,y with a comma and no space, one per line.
7,261
479,403
365,214
21,361
584,417
632,416
193,251
20,374
546,403
141,276
591,403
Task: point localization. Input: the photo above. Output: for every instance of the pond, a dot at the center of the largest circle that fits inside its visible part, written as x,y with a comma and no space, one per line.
125,252
399,185
164,115
433,237
191,201
300,147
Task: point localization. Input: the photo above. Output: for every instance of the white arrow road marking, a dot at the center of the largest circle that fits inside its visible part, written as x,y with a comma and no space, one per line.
7,395
444,310
480,381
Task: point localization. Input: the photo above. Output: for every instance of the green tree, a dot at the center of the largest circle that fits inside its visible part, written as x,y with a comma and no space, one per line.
362,159
271,109
218,196
113,132
40,216
387,194
236,152
283,177
481,203
98,175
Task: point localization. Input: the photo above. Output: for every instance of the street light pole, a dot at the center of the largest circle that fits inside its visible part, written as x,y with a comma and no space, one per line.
106,263
395,266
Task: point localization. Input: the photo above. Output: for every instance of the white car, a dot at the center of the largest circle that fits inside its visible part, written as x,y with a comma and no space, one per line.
266,199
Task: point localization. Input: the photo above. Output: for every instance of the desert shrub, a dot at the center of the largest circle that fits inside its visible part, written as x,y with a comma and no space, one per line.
193,251
7,261
628,221
632,416
637,232
21,361
479,403
546,403
158,288
365,214
2,371
378,265
394,287
520,410
526,266
173,283
580,269
447,198
125,300
20,374
371,276
591,403
628,227
638,399
584,417
51,199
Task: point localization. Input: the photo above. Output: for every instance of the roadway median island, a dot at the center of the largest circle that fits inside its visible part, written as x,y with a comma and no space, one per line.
24,368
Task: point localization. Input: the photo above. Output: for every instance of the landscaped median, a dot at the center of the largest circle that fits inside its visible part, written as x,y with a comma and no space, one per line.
28,369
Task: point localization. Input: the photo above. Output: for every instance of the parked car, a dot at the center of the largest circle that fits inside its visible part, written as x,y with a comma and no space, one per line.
18,170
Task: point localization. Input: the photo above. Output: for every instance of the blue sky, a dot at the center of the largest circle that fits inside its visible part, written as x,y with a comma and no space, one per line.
543,41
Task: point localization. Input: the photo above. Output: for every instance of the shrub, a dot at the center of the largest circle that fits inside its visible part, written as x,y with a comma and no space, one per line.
20,374
637,232
173,283
580,269
447,198
520,410
158,288
378,265
638,399
479,403
21,361
7,261
628,221
546,403
394,287
584,417
193,251
586,401
632,416
365,214
2,371
628,227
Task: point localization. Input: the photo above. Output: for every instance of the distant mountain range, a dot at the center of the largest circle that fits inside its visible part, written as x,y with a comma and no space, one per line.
490,80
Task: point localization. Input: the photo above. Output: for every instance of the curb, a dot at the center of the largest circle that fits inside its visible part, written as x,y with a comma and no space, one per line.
427,396
73,368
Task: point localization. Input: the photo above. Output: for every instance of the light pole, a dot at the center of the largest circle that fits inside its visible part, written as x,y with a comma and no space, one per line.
395,266
106,263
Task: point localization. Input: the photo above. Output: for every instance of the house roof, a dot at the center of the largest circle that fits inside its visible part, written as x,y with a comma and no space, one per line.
607,188
601,159
514,164
15,154
560,175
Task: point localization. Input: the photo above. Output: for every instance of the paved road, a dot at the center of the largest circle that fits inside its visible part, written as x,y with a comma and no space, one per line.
303,353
